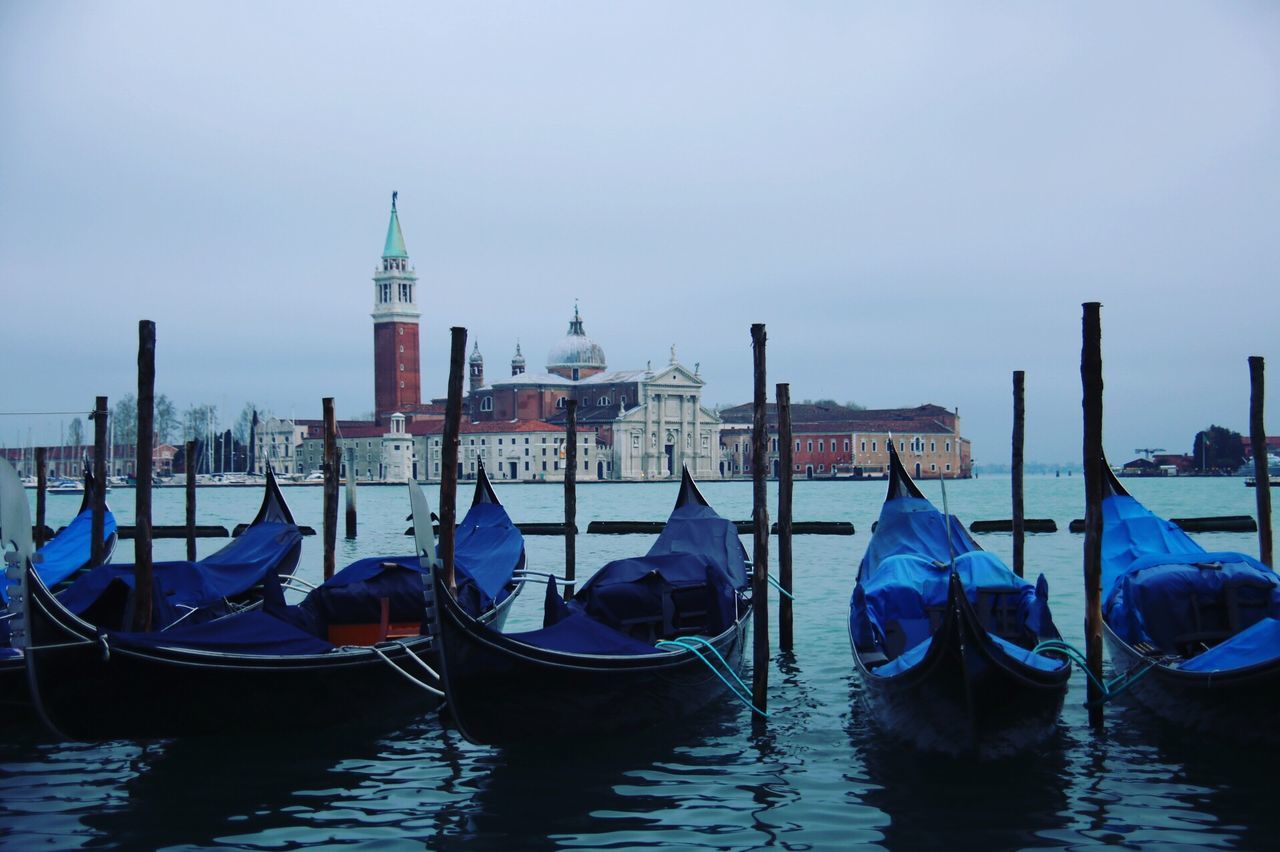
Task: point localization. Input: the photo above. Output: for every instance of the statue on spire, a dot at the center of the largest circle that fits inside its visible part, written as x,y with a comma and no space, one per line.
394,195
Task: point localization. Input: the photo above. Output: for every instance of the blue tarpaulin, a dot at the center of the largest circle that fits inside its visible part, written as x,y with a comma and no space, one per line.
180,586
68,551
1257,644
1162,588
250,632
905,574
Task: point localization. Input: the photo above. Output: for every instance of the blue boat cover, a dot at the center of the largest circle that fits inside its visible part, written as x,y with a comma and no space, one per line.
489,550
250,632
695,528
906,572
1249,647
68,551
637,594
687,584
578,633
352,596
178,587
1162,588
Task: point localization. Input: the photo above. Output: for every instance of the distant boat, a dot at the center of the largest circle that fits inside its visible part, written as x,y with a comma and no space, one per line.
1251,482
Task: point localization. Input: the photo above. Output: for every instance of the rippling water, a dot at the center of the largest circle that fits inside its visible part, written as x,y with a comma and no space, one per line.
817,774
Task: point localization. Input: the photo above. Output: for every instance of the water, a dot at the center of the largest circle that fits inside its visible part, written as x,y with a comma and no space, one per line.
818,775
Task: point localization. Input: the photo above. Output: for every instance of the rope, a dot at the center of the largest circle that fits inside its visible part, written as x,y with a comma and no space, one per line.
1110,689
778,586
428,687
61,645
424,665
681,640
743,698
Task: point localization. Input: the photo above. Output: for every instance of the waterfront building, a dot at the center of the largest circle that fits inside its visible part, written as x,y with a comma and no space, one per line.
646,424
841,442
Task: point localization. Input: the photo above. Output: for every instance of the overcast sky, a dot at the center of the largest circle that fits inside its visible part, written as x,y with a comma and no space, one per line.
916,198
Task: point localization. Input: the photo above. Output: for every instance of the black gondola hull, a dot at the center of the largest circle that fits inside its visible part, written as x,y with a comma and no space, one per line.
967,695
502,692
91,688
1239,705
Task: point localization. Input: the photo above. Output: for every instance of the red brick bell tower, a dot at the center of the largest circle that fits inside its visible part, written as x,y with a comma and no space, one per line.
397,383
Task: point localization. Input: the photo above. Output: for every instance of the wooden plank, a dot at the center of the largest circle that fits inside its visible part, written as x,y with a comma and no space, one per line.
1030,525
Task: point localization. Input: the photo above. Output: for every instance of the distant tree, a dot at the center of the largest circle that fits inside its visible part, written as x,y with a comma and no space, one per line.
124,419
199,421
75,433
245,420
166,420
855,406
1217,448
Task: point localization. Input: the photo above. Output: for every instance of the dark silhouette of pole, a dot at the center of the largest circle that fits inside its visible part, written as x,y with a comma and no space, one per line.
1091,380
142,523
449,453
570,494
1019,436
785,487
760,519
98,498
351,492
330,469
191,500
1261,473
42,486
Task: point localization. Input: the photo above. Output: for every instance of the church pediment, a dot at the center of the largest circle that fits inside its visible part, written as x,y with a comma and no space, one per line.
676,376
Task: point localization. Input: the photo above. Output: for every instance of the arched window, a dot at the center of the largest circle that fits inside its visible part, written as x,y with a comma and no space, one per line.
560,402
486,404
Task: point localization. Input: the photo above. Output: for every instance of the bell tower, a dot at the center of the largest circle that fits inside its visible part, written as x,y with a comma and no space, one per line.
397,383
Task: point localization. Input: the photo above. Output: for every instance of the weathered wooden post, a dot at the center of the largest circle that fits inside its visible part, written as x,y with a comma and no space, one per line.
1091,379
98,499
449,453
1261,473
1019,436
351,492
570,494
142,495
760,519
191,500
330,469
42,486
785,483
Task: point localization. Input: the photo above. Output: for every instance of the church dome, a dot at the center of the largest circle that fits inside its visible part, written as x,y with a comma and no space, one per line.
576,349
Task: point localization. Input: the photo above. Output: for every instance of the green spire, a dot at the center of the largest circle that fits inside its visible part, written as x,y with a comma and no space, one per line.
395,239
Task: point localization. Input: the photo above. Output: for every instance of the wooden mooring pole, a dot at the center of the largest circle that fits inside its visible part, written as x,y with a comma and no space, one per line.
570,494
97,526
1019,435
760,519
142,495
42,486
1091,380
1261,474
191,500
785,487
330,469
351,492
449,453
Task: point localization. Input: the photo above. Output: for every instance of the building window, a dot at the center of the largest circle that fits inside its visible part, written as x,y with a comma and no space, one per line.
402,330
821,468
402,383
486,403
820,443
933,446
706,443
933,467
846,445
560,402
622,399
947,445
797,446
948,467
873,446
635,442
810,446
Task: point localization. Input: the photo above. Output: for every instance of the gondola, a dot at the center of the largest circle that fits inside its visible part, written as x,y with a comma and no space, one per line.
352,651
944,635
1195,634
62,558
645,642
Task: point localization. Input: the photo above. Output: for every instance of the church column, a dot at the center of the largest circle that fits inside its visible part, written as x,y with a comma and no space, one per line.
662,434
646,442
697,433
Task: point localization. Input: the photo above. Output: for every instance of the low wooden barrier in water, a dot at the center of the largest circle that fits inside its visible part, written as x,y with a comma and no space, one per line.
1031,525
